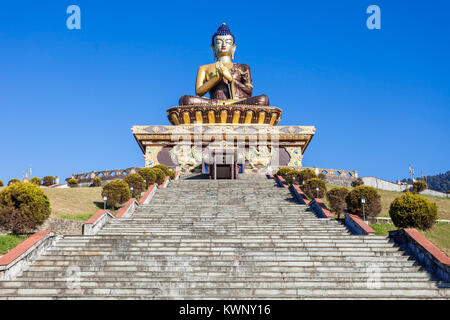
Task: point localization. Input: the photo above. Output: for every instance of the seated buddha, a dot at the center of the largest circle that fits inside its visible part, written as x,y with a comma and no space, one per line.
228,83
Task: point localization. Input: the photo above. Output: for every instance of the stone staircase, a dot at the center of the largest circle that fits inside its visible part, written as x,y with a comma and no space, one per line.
225,239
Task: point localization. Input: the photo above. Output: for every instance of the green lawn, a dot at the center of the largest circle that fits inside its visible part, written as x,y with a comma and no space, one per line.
9,242
439,234
79,217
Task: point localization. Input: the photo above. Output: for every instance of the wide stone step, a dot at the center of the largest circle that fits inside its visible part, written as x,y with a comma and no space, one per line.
231,284
331,276
206,293
306,267
222,260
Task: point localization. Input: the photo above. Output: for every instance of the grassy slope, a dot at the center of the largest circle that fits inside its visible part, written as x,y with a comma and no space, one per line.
9,242
74,203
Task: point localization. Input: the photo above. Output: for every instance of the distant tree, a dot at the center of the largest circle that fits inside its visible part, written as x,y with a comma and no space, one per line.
357,182
13,181
160,176
48,181
292,177
310,188
419,186
322,176
97,182
148,175
1,183
413,211
372,207
137,182
116,192
305,175
283,171
35,180
336,199
73,183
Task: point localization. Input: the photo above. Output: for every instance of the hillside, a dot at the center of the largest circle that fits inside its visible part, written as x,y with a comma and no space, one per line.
439,182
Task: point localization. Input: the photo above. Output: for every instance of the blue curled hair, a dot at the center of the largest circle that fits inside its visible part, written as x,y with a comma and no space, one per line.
223,30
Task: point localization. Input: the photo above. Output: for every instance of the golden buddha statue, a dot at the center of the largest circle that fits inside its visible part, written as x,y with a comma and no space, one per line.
230,89
227,82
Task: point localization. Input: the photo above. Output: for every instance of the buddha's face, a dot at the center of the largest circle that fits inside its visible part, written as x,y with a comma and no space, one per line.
223,46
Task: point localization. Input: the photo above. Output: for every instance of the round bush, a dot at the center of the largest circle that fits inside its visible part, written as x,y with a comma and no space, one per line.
292,176
336,200
357,182
149,176
23,207
72,183
305,175
310,185
171,174
137,182
13,181
372,207
117,192
419,186
97,182
48,180
160,176
1,183
283,171
37,181
322,176
163,167
413,211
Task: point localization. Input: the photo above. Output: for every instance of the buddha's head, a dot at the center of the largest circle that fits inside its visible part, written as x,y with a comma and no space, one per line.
223,42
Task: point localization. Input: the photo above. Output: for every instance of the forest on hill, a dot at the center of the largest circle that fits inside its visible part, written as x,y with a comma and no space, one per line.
439,182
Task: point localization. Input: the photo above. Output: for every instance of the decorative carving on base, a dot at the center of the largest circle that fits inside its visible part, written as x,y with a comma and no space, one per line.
232,114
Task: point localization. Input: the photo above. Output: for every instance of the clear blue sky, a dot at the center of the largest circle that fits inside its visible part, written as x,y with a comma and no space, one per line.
379,99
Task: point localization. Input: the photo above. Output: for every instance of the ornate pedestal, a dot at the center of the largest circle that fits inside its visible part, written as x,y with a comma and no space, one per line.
259,147
232,114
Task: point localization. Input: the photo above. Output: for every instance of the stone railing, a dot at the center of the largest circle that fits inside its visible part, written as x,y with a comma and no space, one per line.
425,252
18,259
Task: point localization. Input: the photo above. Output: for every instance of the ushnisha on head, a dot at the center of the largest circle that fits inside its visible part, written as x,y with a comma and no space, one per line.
223,42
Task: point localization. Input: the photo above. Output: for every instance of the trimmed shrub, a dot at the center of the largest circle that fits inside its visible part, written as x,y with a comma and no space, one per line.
357,182
97,182
306,175
23,207
171,174
322,176
117,192
309,188
37,181
149,176
73,183
48,180
413,211
164,169
13,181
419,186
1,183
292,176
336,200
137,182
372,207
283,171
160,176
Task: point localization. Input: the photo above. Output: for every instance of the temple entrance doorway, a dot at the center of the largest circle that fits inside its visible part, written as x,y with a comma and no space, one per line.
222,165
